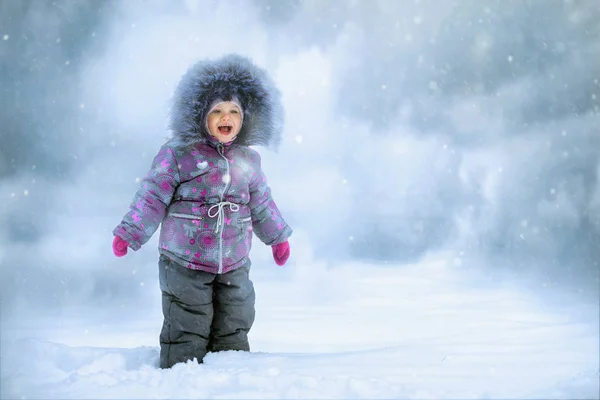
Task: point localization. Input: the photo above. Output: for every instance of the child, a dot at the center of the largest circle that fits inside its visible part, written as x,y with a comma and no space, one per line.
207,189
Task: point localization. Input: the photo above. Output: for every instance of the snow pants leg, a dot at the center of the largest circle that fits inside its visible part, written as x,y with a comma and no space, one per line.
233,301
203,312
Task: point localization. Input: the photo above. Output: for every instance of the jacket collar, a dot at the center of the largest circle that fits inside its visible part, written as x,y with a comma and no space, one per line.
214,142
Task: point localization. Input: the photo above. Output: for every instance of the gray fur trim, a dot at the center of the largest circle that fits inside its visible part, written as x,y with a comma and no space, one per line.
224,78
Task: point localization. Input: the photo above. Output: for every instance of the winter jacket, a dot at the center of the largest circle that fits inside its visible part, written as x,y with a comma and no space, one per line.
210,197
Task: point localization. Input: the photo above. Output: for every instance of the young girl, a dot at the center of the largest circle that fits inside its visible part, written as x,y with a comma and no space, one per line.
207,190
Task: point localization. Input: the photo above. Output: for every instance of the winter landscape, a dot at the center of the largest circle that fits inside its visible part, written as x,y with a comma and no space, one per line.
440,167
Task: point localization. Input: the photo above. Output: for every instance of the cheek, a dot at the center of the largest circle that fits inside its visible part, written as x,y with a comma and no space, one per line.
238,121
212,120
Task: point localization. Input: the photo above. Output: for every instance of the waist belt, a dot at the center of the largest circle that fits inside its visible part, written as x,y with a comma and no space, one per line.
216,210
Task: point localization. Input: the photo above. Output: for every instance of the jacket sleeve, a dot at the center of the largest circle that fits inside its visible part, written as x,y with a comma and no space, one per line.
151,201
267,221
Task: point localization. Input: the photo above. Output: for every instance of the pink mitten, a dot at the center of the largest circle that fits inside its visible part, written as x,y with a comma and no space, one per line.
119,246
281,252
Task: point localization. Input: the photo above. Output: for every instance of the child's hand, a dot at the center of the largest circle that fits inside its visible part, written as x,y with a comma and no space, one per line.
119,246
281,252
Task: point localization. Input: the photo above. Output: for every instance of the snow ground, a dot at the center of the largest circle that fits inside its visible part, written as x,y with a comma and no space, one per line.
356,331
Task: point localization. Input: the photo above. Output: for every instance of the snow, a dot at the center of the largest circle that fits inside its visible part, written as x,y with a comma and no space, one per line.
428,330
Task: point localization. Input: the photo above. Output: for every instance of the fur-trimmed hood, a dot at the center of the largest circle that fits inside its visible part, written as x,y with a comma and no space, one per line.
225,78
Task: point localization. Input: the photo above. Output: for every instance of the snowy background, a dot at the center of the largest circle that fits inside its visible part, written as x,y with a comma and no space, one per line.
440,166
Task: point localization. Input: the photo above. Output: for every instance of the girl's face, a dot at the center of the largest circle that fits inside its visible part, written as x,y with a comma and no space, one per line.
224,121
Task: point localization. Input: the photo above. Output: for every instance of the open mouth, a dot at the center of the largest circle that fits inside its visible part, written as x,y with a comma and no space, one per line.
225,129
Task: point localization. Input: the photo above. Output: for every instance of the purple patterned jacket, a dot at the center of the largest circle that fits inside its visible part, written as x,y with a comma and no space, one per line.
209,197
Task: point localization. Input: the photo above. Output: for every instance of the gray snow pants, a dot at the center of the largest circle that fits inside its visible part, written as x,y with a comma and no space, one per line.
203,312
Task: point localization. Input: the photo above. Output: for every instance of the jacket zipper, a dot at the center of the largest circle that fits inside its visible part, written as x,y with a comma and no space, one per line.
222,228
185,216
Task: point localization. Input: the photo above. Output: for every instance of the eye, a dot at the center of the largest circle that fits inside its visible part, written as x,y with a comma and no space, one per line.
215,111
234,111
